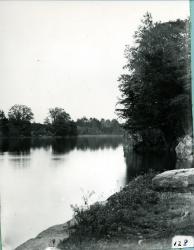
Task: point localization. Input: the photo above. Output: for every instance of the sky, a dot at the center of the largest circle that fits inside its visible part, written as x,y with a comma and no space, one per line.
70,54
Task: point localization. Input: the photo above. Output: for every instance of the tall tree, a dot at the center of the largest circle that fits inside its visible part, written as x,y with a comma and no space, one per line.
60,122
20,117
57,114
156,89
20,113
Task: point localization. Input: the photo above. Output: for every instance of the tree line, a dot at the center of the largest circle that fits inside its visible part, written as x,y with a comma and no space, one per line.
95,126
19,123
156,86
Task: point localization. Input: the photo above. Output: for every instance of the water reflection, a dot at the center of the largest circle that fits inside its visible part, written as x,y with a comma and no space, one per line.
58,147
15,146
142,163
23,146
63,146
135,163
102,142
20,162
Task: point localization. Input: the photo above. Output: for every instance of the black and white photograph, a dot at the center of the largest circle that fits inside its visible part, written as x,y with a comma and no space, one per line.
96,133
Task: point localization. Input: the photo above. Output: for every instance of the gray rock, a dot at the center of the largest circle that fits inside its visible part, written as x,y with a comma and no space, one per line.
178,179
184,149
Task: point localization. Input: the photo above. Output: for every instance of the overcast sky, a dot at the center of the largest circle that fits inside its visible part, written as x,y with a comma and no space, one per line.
70,54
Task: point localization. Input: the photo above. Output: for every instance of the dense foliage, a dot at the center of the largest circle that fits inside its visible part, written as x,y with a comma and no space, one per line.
18,122
58,123
94,126
4,131
156,88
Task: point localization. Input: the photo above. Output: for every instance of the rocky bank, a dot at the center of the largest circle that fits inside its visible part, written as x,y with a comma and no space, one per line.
174,209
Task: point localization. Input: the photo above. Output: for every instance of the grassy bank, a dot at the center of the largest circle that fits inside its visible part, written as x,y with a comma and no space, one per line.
135,217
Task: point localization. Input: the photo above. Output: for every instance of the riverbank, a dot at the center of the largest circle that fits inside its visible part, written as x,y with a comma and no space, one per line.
137,217
44,239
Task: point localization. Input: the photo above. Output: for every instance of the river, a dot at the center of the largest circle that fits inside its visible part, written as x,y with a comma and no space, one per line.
41,178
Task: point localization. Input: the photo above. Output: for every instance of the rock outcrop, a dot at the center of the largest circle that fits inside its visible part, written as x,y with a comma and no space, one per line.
184,149
177,180
44,241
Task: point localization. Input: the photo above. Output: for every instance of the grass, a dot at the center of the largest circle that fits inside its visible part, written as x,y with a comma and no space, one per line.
135,213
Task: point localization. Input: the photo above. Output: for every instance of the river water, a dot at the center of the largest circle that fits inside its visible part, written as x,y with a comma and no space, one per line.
41,178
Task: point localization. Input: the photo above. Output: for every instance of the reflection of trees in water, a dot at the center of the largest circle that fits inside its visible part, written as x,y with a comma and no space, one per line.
15,146
142,163
101,142
20,161
20,146
4,145
38,143
63,145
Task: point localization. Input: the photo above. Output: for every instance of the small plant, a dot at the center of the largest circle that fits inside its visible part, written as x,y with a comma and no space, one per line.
118,214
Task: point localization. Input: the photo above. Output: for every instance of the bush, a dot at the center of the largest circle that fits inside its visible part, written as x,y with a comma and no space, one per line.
121,211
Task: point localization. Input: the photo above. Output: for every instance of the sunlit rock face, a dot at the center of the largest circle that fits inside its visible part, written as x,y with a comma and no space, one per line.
177,180
184,149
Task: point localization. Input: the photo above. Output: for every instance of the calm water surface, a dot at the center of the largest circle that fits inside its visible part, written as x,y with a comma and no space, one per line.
41,178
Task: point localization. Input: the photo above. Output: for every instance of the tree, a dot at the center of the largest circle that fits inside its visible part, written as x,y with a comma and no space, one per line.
4,130
56,114
20,113
156,90
20,117
2,115
60,122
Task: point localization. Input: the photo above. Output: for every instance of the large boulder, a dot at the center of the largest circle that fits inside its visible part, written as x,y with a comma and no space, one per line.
175,180
184,149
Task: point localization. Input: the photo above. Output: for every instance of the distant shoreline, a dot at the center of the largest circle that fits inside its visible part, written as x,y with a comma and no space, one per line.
62,137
